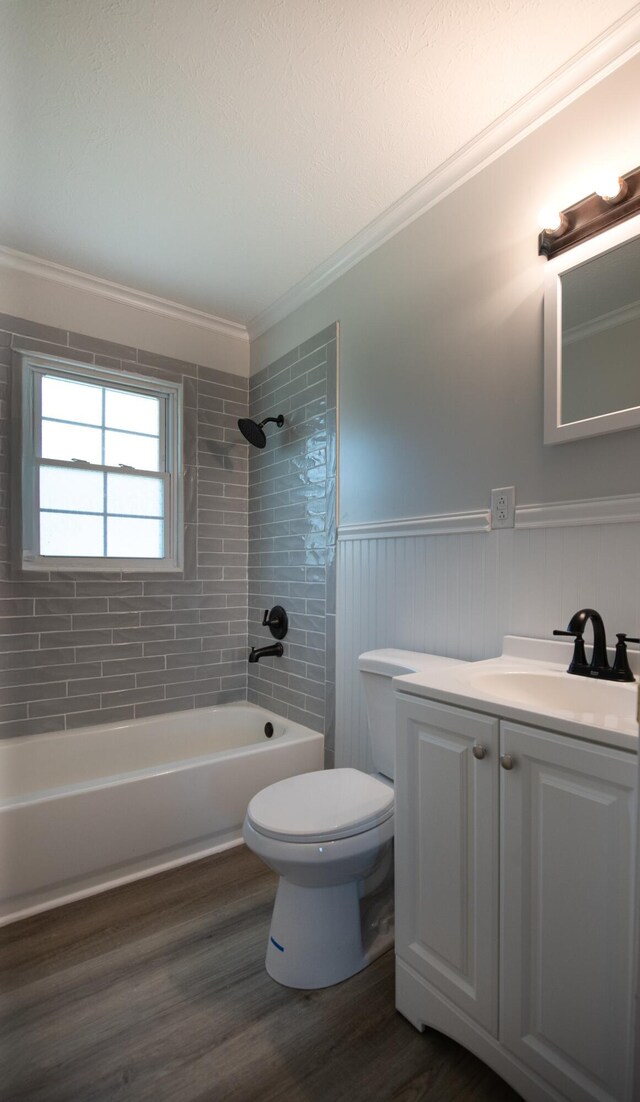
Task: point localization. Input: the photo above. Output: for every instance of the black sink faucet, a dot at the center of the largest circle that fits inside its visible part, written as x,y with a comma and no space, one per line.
578,623
599,665
276,650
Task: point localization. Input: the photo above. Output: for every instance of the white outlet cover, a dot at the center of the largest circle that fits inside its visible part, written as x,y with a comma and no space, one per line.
503,507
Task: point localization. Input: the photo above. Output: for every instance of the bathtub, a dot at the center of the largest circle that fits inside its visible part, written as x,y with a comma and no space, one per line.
82,811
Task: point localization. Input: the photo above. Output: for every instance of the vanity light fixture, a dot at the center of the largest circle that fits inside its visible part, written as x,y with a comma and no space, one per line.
551,221
611,188
615,199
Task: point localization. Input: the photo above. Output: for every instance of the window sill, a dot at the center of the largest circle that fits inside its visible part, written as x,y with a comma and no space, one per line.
48,565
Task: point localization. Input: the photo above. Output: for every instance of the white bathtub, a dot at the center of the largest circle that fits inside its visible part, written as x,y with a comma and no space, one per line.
84,810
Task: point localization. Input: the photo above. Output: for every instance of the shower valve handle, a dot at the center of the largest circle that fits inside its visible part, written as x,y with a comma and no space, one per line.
277,621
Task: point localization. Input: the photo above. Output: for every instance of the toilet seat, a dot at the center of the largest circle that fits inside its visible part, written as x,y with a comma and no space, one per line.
322,806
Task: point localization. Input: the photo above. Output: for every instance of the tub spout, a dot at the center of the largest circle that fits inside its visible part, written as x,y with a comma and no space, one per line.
276,650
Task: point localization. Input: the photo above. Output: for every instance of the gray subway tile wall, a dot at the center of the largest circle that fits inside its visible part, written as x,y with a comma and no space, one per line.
84,649
292,533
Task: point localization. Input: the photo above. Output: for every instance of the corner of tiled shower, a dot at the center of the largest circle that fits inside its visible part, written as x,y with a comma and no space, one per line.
292,533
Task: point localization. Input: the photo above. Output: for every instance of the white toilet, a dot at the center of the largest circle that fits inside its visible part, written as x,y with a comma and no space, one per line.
329,836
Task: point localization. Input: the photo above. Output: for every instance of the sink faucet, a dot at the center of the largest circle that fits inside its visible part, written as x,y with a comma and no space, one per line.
276,650
578,623
599,665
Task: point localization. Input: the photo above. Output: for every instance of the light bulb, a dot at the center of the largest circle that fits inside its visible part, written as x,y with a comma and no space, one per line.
609,186
550,220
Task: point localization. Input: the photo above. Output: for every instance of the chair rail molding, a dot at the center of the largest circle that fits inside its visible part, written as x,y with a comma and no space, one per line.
444,524
622,509
618,509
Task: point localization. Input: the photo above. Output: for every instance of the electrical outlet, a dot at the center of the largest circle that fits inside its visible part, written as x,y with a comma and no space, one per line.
503,507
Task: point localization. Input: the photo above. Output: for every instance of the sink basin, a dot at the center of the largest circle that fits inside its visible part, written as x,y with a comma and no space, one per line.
604,703
529,683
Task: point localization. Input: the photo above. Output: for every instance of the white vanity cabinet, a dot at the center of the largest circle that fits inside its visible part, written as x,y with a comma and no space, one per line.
447,852
515,897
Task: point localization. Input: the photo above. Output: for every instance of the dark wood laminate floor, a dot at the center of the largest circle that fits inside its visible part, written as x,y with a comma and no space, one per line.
157,991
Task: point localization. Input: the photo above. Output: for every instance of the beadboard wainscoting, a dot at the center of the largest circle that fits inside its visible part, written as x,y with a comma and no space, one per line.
457,594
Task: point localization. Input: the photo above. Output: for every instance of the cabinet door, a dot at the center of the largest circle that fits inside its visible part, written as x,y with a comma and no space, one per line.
566,911
447,852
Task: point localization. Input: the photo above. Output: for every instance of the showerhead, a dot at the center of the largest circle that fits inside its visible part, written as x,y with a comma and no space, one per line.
254,433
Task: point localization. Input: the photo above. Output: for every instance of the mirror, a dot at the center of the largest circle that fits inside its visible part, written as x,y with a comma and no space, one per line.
592,337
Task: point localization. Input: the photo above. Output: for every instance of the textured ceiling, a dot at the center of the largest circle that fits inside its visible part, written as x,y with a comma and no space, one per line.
214,152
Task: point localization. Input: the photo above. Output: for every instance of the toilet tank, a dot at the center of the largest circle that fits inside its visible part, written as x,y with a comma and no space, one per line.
377,667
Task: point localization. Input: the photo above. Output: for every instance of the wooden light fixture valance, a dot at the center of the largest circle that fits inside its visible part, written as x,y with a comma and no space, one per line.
591,216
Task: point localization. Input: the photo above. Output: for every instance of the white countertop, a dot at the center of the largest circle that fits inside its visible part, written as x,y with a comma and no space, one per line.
476,685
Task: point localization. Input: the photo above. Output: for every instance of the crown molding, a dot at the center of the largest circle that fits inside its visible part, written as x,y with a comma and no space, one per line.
117,292
605,54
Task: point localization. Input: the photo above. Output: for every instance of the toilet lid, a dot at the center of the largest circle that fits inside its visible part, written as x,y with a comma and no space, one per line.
321,806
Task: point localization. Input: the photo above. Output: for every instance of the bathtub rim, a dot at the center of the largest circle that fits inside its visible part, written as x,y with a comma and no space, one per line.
293,732
141,721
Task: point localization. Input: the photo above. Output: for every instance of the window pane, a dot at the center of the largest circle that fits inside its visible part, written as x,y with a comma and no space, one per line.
81,491
134,412
135,451
136,539
71,401
61,534
141,497
61,441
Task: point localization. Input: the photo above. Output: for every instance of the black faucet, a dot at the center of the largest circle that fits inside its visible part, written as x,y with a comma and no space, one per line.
276,650
599,665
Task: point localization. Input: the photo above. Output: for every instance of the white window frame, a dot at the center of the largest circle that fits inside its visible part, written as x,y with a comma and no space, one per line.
32,367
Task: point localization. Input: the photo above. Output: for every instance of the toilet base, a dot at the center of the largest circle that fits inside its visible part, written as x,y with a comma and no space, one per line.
321,936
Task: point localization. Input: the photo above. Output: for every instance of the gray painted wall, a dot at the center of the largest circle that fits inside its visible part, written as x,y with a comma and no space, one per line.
292,533
441,336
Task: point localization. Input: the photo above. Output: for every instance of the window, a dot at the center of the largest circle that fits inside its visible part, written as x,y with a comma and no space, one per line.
101,468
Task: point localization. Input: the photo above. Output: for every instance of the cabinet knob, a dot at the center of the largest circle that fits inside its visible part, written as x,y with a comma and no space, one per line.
506,761
479,752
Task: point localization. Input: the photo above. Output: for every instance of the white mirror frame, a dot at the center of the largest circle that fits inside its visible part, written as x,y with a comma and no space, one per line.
555,432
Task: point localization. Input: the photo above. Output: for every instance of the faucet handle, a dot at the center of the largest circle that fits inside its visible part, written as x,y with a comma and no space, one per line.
277,621
621,670
579,657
